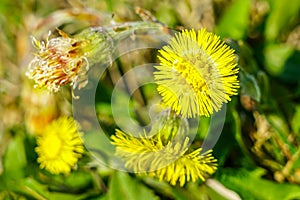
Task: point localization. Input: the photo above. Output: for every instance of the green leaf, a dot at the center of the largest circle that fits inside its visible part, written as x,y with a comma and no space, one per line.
291,68
281,15
181,194
295,121
36,190
122,186
249,86
65,196
250,185
33,188
15,158
160,187
74,182
192,190
234,22
103,197
8,195
276,56
78,180
212,189
28,187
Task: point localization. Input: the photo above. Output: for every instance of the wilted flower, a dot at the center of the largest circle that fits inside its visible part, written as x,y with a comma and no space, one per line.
65,60
197,73
59,146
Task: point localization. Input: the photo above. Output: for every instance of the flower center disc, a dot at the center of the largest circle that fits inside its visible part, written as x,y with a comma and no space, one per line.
53,144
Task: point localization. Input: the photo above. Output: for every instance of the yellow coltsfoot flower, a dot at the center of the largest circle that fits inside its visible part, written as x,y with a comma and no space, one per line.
59,146
197,73
172,162
165,155
189,167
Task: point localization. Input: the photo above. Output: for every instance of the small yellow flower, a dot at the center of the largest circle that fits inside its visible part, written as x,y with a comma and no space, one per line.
166,160
60,146
65,60
197,73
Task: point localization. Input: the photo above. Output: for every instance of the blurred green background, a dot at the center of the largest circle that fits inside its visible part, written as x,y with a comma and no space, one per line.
259,150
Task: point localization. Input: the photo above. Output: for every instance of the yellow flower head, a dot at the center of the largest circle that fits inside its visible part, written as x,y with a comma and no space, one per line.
64,60
60,146
189,167
170,160
197,73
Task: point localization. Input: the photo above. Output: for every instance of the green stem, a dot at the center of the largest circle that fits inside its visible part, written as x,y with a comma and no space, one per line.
122,31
